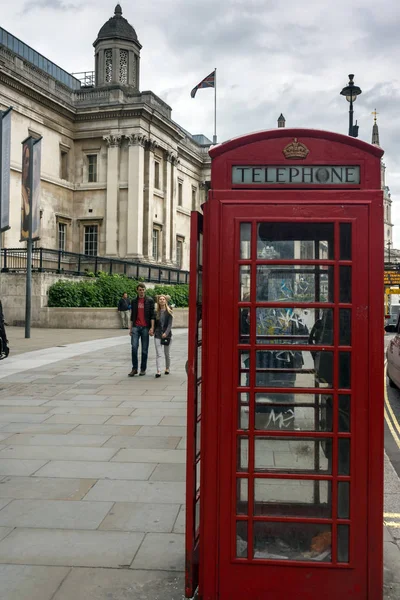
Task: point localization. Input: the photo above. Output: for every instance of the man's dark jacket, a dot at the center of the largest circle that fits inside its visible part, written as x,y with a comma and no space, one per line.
148,310
123,304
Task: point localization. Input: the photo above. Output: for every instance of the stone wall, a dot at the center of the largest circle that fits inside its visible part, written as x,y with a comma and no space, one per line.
93,318
12,295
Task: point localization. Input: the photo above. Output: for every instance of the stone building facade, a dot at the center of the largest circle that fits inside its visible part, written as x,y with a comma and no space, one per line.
119,177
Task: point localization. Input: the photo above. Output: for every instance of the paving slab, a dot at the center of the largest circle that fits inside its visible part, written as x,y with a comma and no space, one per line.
96,410
4,531
97,470
169,472
71,439
61,547
130,441
148,455
111,430
79,419
54,514
23,582
11,466
135,420
22,401
171,420
121,584
45,488
165,551
58,452
137,491
32,410
22,418
162,432
141,516
37,428
179,526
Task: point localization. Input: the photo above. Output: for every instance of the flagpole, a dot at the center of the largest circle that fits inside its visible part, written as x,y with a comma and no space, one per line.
215,106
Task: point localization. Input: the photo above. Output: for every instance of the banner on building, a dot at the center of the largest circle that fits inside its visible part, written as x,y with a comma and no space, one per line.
30,189
5,152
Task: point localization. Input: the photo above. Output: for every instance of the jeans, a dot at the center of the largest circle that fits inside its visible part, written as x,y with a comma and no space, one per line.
140,333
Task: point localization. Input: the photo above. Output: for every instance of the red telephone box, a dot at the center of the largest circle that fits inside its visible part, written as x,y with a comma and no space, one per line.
285,371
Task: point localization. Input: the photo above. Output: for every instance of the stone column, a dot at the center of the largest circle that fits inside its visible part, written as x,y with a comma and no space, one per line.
173,204
168,158
148,213
111,218
134,232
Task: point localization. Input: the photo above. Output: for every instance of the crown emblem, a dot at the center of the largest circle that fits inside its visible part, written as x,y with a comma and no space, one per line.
295,150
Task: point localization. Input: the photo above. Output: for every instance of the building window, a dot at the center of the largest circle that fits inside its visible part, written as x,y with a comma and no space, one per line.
156,243
179,252
157,175
92,167
64,164
108,66
180,193
62,236
91,240
194,201
123,66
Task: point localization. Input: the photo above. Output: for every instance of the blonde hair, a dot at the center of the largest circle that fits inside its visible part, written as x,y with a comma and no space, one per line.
167,307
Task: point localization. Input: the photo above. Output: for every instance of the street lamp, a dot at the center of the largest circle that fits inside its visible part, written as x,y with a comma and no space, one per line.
351,92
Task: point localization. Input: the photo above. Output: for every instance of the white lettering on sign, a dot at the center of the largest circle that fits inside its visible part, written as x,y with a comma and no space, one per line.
299,174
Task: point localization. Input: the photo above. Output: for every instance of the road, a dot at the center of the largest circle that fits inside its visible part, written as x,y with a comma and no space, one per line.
392,420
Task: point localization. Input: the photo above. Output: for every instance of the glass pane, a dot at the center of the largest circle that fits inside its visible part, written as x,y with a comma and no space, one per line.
293,241
289,283
344,370
242,507
199,287
245,240
199,355
243,406
244,368
292,541
244,325
198,467
299,417
344,327
345,284
198,399
292,498
197,515
345,241
344,456
298,368
241,539
293,454
343,543
198,436
344,413
200,250
294,325
243,454
244,295
343,500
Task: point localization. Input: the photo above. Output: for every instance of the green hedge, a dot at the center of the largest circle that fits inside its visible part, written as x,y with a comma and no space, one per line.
106,290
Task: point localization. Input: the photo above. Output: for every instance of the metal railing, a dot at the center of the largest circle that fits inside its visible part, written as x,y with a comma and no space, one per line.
87,78
13,260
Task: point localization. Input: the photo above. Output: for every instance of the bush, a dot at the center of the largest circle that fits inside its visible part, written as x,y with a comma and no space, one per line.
106,290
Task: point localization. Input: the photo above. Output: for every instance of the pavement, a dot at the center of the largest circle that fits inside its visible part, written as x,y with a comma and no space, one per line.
92,472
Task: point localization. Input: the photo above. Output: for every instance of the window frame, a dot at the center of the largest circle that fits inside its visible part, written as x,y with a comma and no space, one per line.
180,192
95,174
180,240
94,226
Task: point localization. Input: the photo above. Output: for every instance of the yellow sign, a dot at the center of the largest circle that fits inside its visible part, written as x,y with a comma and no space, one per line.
392,278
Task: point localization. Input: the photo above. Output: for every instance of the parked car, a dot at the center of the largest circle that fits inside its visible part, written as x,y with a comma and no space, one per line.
393,354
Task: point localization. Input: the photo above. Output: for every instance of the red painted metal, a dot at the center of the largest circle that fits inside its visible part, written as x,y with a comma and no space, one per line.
222,574
194,376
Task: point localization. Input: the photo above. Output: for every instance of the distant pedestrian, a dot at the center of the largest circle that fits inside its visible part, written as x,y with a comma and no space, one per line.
124,306
141,326
163,333
4,349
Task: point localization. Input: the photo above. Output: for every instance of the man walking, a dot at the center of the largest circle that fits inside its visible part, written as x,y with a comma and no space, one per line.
123,309
141,326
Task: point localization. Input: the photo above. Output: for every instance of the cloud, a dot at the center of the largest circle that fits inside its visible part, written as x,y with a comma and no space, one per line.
55,5
291,57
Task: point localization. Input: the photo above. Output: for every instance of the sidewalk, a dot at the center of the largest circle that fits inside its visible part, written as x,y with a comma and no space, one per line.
92,474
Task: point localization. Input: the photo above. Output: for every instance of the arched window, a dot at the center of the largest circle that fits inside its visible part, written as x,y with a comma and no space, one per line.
108,66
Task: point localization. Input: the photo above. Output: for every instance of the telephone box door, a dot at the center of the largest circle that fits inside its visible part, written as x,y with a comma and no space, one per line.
293,471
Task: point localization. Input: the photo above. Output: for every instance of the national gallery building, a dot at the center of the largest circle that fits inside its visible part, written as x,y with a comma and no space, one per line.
119,177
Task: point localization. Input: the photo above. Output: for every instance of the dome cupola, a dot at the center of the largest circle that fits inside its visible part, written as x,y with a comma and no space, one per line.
117,53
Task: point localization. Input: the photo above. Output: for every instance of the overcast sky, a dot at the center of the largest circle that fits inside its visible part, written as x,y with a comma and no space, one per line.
271,57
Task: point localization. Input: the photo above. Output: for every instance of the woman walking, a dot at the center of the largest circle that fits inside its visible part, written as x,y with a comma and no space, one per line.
162,333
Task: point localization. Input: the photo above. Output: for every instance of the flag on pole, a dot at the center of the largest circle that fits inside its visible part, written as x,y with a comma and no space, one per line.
207,82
